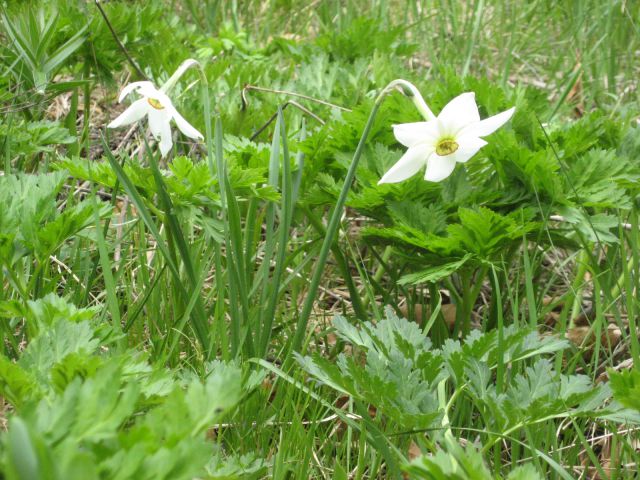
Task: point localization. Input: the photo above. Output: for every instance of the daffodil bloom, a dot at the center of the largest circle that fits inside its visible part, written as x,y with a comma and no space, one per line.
453,136
157,106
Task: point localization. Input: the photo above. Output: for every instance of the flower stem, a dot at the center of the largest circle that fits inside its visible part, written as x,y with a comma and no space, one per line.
334,220
408,89
216,167
214,159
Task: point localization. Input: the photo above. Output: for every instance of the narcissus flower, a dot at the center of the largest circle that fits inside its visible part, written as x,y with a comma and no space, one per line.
453,136
157,106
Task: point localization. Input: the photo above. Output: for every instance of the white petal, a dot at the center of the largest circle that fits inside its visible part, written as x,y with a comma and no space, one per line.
184,126
135,112
488,125
134,86
458,113
410,134
467,148
439,168
412,161
158,120
149,90
166,142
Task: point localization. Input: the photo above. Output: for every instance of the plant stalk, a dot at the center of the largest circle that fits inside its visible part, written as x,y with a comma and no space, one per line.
334,221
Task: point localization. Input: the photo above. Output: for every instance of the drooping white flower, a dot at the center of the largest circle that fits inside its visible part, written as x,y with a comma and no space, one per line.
157,106
453,136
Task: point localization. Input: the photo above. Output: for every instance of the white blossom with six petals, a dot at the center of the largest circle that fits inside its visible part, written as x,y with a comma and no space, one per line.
453,136
157,106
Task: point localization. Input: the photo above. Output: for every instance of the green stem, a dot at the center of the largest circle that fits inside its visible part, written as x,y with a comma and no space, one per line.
464,314
582,263
469,297
214,161
334,220
332,229
377,276
358,304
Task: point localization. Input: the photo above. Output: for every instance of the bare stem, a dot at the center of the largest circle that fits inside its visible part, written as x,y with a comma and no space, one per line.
120,44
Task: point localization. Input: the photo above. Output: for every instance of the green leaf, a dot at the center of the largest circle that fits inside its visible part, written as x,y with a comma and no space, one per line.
54,344
17,385
626,387
434,274
596,228
400,371
23,460
454,463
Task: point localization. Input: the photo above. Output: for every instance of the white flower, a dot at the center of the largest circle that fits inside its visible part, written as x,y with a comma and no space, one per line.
157,106
453,136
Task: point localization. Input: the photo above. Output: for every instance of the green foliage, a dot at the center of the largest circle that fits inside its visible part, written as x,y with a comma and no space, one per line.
34,61
22,138
362,37
84,412
122,389
394,367
30,222
400,369
626,387
462,464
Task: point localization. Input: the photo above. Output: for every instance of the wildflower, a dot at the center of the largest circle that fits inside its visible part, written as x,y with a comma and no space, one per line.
157,106
451,137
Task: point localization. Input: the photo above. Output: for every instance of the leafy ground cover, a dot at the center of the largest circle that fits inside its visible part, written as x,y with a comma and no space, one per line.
243,298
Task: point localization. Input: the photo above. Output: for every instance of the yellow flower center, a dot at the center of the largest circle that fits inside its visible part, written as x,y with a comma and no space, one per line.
155,103
446,146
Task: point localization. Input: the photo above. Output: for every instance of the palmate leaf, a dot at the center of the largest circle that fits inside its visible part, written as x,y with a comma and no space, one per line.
187,183
394,367
537,382
51,309
483,232
595,228
396,371
403,236
455,462
113,414
362,37
30,138
481,349
69,223
539,394
598,178
62,342
29,218
28,200
594,130
481,235
54,344
430,219
17,385
231,467
537,171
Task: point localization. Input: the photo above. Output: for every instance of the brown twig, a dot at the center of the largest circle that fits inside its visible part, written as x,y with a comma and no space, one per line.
286,92
275,115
